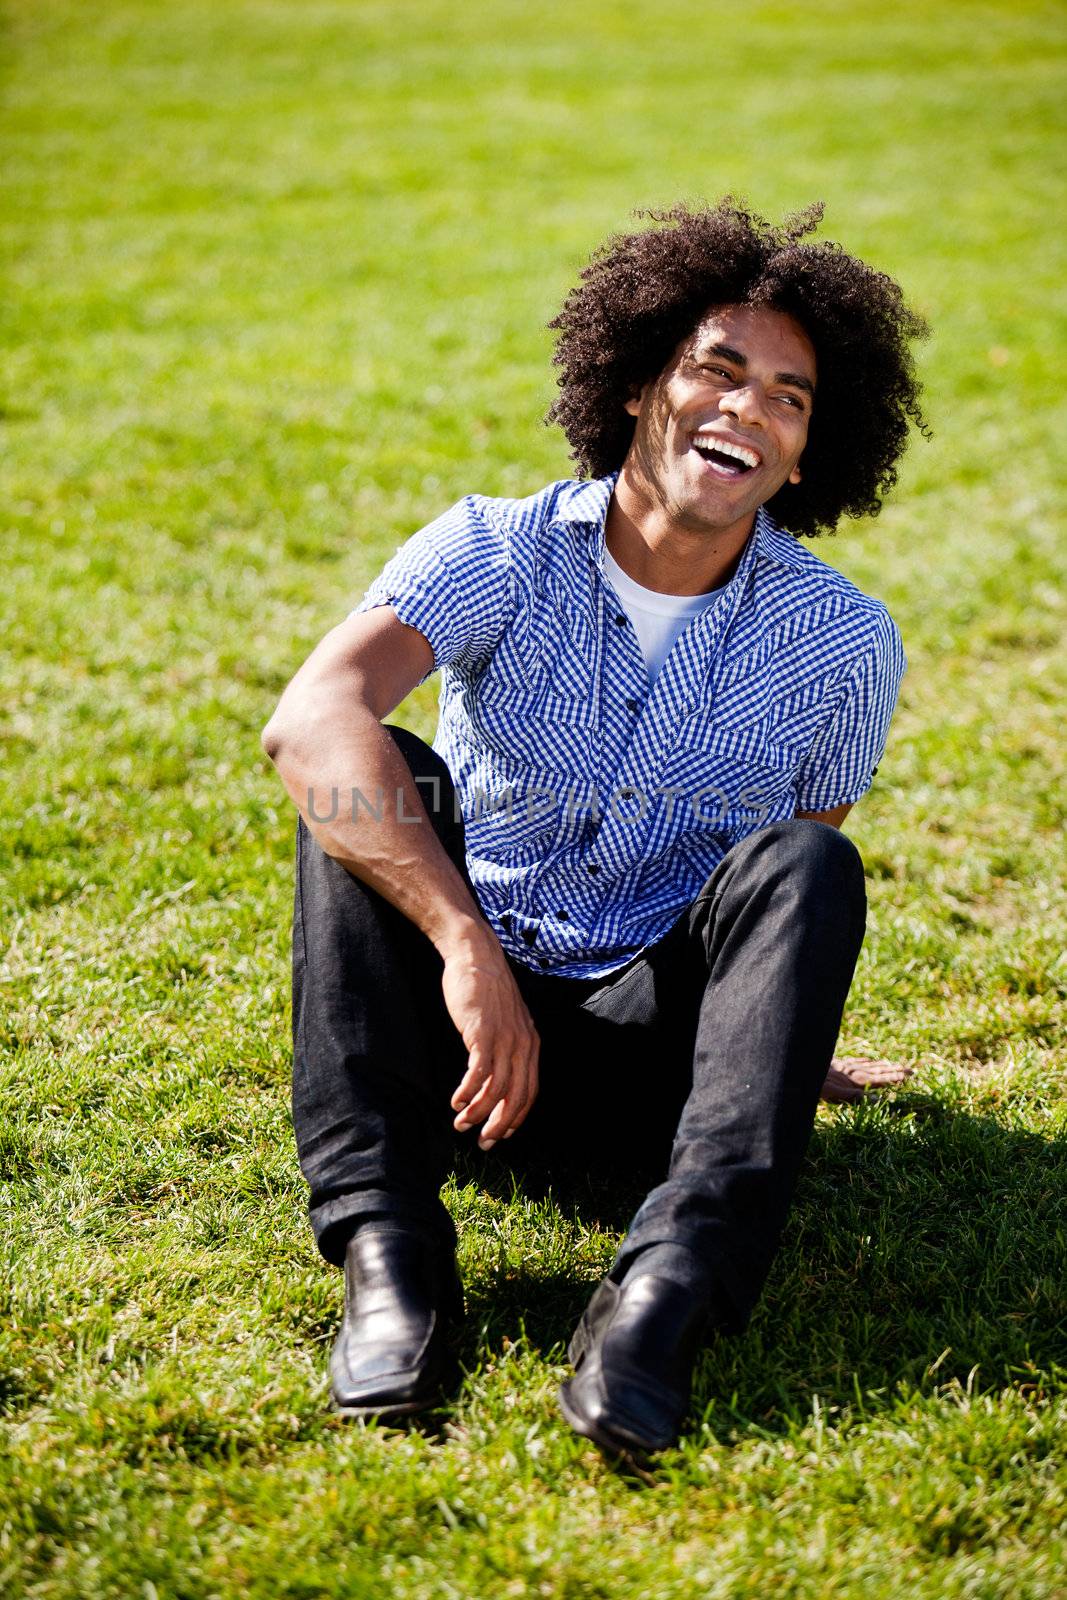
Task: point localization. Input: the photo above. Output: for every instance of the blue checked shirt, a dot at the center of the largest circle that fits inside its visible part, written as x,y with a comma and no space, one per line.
596,805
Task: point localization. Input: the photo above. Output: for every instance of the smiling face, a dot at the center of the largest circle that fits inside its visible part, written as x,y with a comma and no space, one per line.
724,425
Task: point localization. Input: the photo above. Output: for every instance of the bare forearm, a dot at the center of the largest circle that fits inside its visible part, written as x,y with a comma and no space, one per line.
361,804
328,744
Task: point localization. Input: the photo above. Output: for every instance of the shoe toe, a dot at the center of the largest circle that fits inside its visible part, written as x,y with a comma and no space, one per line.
386,1380
382,1368
633,1352
391,1355
626,1418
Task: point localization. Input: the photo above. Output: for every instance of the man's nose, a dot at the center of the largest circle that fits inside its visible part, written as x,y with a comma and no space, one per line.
745,403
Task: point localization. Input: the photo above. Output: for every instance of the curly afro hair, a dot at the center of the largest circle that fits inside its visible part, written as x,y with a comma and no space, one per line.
644,293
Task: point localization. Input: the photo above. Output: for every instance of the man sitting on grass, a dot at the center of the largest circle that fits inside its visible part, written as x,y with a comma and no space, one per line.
610,916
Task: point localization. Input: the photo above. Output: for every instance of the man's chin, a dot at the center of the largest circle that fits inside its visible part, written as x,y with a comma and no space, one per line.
718,513
744,492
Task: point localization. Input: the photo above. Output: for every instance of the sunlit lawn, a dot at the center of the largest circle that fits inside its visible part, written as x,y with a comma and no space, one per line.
277,280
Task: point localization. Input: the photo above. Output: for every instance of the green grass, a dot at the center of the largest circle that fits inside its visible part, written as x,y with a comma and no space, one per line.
277,276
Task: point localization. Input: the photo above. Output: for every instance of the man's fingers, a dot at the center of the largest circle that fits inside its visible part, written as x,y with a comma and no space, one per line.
492,1088
480,1105
469,1086
498,1125
478,1073
850,1077
514,1107
501,1100
488,1010
506,1117
532,1083
868,1069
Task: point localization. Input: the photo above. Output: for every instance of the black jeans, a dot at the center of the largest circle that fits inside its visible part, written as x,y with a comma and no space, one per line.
699,1063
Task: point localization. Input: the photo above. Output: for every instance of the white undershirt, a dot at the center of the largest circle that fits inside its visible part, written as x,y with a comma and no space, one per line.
658,619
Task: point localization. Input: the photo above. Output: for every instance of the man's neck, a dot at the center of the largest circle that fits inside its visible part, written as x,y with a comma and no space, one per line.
662,554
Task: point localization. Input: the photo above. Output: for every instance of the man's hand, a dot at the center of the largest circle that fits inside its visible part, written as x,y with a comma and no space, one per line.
850,1078
483,1000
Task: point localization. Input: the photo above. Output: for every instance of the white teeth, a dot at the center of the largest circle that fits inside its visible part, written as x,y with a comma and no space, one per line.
712,441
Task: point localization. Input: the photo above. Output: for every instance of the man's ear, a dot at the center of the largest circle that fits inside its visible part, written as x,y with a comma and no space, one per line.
794,476
633,405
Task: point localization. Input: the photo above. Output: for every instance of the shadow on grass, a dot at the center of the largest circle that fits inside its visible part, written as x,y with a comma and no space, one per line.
923,1247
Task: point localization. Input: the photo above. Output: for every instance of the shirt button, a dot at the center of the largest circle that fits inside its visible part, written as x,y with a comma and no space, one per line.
563,916
626,794
505,919
542,961
632,705
592,867
530,935
620,618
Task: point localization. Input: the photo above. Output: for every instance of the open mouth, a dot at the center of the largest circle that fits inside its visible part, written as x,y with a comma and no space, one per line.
728,459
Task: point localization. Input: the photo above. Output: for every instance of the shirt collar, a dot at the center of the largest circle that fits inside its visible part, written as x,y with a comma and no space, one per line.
583,504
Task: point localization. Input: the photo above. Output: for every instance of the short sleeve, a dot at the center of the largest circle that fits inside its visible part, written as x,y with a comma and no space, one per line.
450,580
842,762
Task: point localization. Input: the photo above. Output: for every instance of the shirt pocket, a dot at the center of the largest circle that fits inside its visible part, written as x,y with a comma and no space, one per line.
541,672
794,722
732,779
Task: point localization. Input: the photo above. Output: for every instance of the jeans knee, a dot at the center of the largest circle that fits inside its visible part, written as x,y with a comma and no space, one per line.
808,850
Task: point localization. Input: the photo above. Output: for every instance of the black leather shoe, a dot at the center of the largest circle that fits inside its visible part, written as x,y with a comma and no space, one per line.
391,1357
633,1354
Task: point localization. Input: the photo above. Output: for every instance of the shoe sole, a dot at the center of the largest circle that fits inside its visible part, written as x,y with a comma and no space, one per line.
448,1382
639,1455
386,1413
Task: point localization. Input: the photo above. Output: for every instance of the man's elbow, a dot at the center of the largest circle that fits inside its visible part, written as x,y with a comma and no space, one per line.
286,733
294,725
273,739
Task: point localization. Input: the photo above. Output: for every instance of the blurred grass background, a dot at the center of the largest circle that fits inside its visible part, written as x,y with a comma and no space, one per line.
276,279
